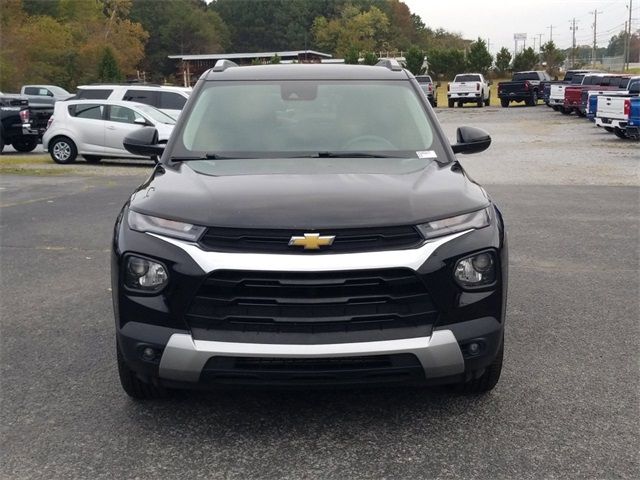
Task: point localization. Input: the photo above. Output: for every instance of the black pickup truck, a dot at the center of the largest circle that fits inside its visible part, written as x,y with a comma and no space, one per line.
523,87
22,123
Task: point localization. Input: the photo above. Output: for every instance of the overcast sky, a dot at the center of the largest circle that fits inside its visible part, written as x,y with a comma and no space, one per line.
498,20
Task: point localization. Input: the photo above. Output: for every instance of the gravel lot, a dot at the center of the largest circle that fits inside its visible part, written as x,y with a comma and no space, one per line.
566,405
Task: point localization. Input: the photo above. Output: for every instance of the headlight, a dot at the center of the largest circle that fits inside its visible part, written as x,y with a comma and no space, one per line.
147,223
446,226
144,274
476,270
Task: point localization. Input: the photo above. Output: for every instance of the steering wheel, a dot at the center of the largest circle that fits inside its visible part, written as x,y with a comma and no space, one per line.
369,142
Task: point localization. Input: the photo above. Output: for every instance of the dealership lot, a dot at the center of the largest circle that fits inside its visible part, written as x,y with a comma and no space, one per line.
566,406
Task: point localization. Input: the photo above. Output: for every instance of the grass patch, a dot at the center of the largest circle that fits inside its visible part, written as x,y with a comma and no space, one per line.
18,170
24,159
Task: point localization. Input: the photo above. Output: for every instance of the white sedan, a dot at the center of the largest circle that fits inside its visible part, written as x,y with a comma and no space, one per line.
96,129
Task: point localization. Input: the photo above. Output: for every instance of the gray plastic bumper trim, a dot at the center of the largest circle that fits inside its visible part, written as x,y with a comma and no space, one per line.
184,358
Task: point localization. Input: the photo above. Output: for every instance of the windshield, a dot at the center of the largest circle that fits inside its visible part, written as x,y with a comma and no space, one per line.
520,77
467,78
424,79
303,118
157,115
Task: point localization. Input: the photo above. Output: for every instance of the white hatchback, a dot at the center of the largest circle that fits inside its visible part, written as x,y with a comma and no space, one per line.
96,129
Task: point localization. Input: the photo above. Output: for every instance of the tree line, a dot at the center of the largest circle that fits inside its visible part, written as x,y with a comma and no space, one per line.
70,42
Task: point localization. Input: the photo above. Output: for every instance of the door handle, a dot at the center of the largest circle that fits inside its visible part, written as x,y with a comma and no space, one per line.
111,128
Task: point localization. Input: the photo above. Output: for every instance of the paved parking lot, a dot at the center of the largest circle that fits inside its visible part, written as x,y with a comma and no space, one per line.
566,405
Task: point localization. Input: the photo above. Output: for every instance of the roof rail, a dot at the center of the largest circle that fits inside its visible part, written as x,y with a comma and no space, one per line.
390,63
222,65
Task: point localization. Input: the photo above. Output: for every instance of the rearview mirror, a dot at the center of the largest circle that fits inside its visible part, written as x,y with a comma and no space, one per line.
143,142
471,140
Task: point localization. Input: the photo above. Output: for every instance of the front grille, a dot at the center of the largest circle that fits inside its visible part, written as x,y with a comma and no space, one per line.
277,241
396,368
334,307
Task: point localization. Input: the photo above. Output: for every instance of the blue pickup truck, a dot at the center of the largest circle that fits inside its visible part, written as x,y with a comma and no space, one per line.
633,126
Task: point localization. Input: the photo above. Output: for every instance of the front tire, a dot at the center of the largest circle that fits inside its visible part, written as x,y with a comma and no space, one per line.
133,386
63,150
533,101
504,103
451,103
25,145
485,382
487,102
480,103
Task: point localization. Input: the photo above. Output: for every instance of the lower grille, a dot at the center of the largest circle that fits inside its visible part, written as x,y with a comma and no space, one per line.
397,368
311,307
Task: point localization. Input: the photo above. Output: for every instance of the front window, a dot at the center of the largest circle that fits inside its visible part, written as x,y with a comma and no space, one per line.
157,115
121,114
304,118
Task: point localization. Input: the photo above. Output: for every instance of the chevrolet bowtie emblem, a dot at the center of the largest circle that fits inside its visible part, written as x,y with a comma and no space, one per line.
312,241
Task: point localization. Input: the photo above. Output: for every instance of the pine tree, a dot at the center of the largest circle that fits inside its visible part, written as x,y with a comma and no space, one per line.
108,70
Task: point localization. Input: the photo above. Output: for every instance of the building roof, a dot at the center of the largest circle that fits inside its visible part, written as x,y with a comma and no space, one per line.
237,56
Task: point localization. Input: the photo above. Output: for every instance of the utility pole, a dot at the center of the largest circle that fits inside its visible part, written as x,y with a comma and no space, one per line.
595,41
625,54
573,29
629,35
540,42
550,28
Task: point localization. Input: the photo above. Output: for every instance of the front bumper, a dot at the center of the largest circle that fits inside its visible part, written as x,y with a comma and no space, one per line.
185,360
182,362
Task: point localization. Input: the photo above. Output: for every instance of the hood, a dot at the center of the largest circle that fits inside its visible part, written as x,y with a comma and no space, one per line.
310,193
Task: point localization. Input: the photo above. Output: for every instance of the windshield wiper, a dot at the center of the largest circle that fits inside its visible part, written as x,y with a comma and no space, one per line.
352,155
207,156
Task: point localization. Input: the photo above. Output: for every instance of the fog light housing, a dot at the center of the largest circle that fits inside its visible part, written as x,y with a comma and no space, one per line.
144,274
476,270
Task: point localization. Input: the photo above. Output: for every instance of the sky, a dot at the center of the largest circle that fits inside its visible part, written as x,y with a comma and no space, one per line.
497,21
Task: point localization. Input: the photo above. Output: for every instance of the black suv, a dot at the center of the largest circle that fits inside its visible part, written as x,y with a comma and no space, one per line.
308,225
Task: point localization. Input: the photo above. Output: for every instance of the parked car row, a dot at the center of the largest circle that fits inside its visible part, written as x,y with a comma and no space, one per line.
91,123
612,101
474,88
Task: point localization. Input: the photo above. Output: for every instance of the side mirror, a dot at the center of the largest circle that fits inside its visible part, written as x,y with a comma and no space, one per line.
471,140
141,121
143,142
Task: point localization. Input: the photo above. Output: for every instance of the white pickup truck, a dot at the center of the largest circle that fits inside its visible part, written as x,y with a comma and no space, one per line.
469,88
613,110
